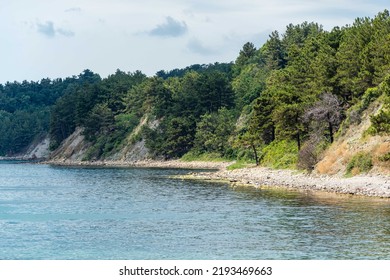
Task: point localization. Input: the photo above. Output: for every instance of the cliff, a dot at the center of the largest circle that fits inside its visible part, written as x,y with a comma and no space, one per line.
75,148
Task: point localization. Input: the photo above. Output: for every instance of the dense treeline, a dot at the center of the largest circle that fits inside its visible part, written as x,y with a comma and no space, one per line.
306,80
25,110
280,104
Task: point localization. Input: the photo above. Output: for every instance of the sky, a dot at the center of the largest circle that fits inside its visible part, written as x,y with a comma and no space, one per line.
59,39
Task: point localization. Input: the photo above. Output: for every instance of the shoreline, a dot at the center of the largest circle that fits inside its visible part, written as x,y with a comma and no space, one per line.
361,185
174,164
260,177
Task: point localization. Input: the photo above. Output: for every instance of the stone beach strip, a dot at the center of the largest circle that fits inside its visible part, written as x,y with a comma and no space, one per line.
365,185
378,186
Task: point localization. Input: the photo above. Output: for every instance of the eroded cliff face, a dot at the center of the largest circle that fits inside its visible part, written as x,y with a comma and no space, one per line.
357,140
38,150
75,147
72,148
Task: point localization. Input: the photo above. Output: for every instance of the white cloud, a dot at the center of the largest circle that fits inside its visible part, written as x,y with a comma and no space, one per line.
50,31
180,32
170,28
46,29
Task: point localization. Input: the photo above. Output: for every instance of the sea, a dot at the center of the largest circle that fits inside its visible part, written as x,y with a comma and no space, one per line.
103,213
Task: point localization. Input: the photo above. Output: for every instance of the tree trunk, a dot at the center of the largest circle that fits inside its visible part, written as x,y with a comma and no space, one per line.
330,128
299,141
255,153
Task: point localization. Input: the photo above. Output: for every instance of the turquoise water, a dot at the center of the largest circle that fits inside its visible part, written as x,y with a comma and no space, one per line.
51,212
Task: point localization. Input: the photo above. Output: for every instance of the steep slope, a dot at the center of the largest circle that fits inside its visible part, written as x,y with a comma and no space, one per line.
75,147
72,148
134,148
39,149
356,141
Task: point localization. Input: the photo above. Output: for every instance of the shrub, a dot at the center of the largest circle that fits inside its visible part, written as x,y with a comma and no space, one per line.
380,123
310,153
354,114
369,96
280,154
195,156
359,163
238,165
385,157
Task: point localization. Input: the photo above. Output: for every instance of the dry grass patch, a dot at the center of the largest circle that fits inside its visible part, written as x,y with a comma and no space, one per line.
335,160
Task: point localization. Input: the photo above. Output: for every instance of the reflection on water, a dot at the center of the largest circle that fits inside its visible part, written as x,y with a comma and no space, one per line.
118,213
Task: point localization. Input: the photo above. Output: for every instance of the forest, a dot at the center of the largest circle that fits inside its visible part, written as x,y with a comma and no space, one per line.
280,104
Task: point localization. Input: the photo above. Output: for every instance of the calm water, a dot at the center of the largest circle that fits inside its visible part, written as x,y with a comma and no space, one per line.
117,213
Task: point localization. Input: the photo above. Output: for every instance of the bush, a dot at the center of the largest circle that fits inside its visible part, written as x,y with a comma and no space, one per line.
281,154
354,114
385,157
359,163
310,153
194,156
380,123
238,165
245,154
369,96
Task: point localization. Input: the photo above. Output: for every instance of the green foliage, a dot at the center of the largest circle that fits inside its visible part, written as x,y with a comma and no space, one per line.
249,84
239,165
194,156
247,54
354,113
126,121
274,52
363,55
26,112
20,128
179,137
280,154
158,97
213,131
385,157
100,107
380,123
100,121
173,138
199,68
110,133
180,103
369,96
359,163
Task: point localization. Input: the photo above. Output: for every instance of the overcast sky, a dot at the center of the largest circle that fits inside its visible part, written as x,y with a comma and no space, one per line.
57,39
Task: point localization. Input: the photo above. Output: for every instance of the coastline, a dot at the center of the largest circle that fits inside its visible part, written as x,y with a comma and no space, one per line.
259,177
362,185
178,164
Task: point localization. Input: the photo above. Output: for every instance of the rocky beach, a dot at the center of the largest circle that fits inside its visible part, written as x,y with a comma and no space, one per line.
368,185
